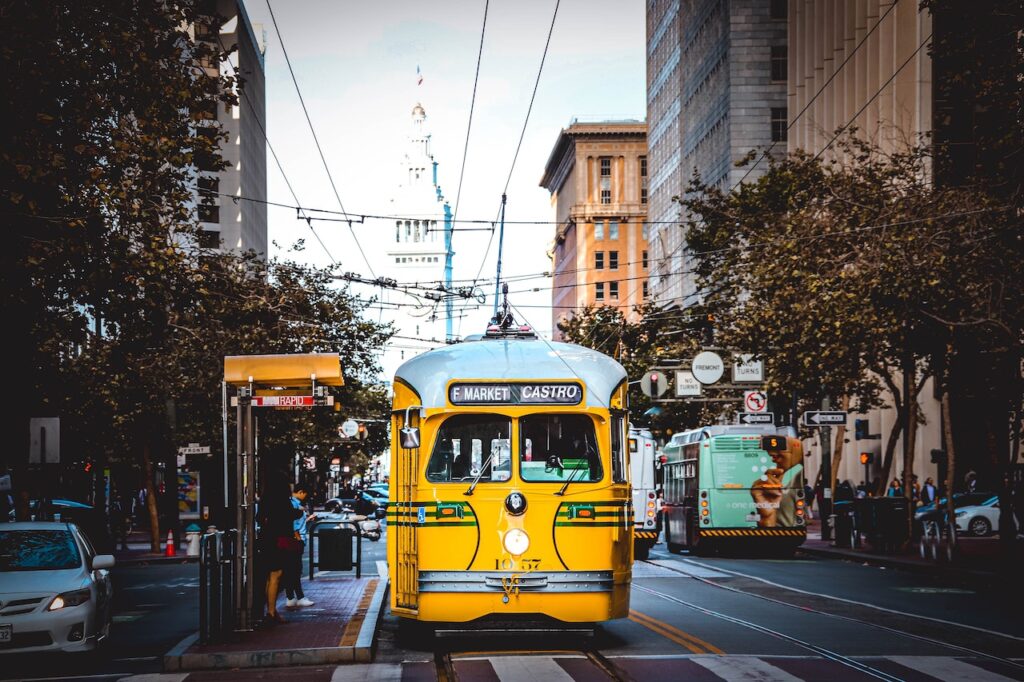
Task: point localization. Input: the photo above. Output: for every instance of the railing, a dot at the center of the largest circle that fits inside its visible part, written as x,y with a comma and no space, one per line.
216,585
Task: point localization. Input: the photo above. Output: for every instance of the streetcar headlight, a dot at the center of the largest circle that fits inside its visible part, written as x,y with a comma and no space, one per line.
516,542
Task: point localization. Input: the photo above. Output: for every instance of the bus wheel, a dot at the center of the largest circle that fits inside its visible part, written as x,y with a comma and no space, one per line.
641,551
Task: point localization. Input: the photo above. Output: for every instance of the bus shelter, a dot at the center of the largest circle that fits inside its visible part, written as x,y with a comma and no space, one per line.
264,382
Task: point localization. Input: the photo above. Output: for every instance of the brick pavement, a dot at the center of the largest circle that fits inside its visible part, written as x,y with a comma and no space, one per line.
331,622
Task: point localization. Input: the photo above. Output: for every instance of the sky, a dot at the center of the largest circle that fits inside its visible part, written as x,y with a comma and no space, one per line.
356,63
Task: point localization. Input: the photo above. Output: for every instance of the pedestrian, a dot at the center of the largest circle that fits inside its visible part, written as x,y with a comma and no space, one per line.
294,595
277,516
809,499
928,491
971,481
862,490
119,521
659,506
895,489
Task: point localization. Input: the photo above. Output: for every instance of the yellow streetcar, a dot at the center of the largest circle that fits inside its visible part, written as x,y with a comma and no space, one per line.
510,483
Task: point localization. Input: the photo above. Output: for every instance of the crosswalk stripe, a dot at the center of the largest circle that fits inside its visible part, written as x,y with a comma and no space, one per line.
742,669
528,669
948,669
367,672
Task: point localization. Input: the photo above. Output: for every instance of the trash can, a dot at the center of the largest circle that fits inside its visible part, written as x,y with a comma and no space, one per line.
843,525
335,546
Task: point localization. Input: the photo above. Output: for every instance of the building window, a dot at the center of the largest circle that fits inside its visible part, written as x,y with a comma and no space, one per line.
398,231
209,213
644,259
643,195
599,291
613,290
209,239
613,260
778,9
646,292
606,179
599,231
599,260
613,229
778,62
643,166
778,124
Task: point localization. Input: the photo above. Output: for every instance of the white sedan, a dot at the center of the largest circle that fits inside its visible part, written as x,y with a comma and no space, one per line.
979,520
55,590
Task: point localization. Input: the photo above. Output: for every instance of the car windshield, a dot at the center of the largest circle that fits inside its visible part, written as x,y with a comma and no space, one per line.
38,550
471,445
555,447
962,500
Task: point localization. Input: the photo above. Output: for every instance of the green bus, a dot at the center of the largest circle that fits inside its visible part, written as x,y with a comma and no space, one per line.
734,486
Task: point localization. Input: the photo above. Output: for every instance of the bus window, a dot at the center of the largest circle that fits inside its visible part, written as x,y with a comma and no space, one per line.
554,447
468,444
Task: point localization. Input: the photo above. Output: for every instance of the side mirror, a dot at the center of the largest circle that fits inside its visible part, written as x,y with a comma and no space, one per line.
410,437
554,462
101,561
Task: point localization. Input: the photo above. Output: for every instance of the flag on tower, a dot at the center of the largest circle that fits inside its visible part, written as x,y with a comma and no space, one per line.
419,76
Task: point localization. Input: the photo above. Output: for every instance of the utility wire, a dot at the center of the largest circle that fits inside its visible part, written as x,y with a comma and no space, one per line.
312,130
472,106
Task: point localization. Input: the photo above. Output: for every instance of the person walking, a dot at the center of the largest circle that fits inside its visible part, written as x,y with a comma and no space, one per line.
296,598
895,489
928,491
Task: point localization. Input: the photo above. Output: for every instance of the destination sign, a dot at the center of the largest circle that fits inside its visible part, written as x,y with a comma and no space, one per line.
515,394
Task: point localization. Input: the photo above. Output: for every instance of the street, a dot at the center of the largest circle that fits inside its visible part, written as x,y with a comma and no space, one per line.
709,618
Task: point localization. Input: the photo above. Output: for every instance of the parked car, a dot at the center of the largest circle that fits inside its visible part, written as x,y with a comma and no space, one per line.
929,511
979,520
55,590
364,503
382,487
91,521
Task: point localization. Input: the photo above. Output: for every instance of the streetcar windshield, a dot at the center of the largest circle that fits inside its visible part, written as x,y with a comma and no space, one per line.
558,447
468,444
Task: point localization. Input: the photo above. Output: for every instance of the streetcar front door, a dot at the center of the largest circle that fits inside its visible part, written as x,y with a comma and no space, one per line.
404,480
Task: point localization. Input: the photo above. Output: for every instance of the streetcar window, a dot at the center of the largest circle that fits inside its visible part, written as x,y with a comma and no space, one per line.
468,444
555,447
618,452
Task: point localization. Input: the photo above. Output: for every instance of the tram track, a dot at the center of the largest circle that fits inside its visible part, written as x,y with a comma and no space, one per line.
820,651
807,609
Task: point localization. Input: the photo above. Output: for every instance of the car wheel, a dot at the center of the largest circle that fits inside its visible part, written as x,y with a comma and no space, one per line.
979,526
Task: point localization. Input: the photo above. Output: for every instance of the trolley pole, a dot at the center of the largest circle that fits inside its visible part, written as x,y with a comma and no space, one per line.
825,434
448,253
501,241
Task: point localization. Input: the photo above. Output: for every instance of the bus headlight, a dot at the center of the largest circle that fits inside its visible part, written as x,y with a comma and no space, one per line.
516,542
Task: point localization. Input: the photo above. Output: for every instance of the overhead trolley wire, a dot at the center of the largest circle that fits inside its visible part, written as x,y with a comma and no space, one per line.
472,106
316,140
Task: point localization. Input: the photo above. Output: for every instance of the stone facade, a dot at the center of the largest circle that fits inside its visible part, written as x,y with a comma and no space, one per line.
597,177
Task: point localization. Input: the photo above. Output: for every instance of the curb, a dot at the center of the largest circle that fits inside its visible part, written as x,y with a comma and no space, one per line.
893,562
178,660
144,561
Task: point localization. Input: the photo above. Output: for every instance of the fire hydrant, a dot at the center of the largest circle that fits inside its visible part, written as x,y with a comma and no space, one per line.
192,534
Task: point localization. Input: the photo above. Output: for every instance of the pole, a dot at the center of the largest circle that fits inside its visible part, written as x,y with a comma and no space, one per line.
224,423
448,228
825,434
501,241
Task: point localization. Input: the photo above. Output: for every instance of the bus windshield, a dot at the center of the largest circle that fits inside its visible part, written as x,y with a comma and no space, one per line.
557,447
464,444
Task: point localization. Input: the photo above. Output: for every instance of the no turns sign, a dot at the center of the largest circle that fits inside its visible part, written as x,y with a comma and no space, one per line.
755,401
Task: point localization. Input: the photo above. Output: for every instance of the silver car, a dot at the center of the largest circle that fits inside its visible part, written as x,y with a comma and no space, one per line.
55,590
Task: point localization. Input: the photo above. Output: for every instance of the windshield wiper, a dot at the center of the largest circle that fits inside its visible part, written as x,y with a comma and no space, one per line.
479,475
569,480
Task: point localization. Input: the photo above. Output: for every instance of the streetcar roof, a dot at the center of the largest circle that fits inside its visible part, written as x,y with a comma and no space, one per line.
511,360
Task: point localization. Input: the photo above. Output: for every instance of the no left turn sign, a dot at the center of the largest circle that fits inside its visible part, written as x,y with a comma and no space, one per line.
755,401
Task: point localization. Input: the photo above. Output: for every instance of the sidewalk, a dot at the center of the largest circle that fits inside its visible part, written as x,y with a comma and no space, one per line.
139,554
338,628
977,558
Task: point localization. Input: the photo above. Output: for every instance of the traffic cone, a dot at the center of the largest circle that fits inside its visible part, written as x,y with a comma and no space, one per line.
170,551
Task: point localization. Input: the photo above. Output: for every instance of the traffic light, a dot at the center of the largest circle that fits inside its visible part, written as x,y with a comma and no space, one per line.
867,458
860,429
87,466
